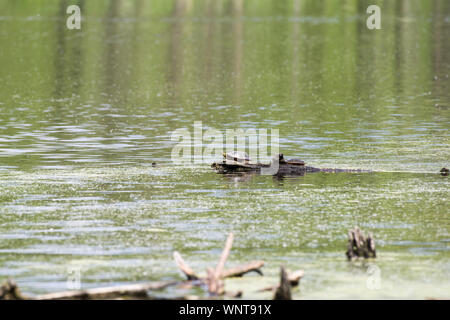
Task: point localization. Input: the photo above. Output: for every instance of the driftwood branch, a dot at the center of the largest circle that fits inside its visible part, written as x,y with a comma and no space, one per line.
132,290
224,255
214,281
294,277
213,278
190,274
239,271
215,284
360,246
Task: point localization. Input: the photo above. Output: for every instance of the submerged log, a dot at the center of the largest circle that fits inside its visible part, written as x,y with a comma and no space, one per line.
131,290
360,246
294,167
285,167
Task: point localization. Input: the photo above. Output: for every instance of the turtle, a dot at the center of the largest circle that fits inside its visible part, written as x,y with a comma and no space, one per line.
281,159
238,156
296,162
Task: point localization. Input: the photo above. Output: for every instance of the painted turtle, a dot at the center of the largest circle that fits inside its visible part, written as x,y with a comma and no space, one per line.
238,156
296,162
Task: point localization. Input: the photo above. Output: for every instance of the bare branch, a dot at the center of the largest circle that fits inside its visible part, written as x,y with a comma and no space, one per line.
184,267
224,255
239,271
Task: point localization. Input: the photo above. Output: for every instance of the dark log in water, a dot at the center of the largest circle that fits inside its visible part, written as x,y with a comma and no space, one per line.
284,169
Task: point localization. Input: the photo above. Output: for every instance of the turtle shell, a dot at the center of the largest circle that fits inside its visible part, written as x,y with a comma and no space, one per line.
236,156
296,162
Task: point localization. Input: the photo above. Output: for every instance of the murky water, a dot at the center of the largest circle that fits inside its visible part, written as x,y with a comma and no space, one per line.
83,114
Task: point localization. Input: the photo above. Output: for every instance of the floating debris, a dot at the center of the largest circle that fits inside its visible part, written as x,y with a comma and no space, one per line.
213,281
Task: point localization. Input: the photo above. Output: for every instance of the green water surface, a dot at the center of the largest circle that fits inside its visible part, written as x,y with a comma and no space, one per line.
84,113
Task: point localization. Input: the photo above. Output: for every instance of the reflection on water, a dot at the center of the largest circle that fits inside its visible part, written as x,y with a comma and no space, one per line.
83,114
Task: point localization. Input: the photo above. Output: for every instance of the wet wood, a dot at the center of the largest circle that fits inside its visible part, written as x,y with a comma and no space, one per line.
283,292
190,274
216,286
239,271
224,255
360,246
284,168
293,278
213,281
213,278
132,290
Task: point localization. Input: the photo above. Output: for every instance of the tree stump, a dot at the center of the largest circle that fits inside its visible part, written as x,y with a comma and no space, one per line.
283,291
10,291
360,246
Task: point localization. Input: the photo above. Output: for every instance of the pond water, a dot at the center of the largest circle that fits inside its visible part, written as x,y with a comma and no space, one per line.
84,113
